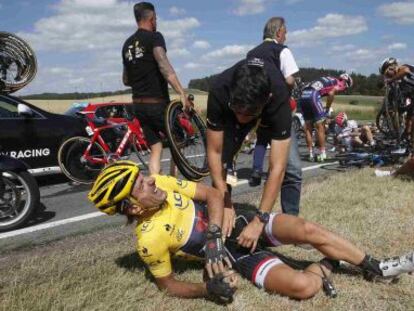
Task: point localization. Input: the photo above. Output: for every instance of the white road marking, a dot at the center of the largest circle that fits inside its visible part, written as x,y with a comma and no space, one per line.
97,214
49,225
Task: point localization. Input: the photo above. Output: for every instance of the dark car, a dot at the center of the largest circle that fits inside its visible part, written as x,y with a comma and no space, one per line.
34,135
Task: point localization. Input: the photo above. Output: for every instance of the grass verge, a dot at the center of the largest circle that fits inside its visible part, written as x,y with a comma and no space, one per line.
100,271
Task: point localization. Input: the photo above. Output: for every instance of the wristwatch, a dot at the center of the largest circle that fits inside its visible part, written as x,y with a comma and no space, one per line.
263,216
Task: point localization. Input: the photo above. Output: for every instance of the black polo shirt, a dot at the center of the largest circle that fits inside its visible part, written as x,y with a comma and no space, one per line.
276,117
141,68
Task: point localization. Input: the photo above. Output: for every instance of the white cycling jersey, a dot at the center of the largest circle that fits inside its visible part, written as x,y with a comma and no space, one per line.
345,132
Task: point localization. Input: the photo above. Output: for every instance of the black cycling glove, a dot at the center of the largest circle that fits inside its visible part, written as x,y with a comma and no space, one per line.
220,290
214,249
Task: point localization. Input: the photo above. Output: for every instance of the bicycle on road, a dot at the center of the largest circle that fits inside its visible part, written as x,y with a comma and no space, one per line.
82,158
390,119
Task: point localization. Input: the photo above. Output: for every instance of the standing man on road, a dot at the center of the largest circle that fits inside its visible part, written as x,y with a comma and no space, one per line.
148,72
274,52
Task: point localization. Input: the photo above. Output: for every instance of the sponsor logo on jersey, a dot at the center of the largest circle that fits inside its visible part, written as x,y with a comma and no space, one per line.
180,234
178,201
147,226
182,183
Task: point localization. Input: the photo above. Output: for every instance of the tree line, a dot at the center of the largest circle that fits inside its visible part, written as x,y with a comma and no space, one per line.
363,85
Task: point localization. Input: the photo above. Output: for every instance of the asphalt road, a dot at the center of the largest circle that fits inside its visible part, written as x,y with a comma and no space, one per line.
65,210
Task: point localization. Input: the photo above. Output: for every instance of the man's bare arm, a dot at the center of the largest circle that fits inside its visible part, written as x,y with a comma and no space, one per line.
279,152
215,141
181,289
214,201
169,74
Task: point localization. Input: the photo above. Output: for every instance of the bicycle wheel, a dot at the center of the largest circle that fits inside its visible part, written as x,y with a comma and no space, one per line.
187,139
73,164
18,63
383,122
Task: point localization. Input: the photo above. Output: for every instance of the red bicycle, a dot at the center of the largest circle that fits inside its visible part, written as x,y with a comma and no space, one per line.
82,158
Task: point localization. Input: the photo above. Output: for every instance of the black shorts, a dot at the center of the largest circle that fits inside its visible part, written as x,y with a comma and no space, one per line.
151,117
252,266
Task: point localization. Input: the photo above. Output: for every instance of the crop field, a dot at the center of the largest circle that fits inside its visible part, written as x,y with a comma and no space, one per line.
357,106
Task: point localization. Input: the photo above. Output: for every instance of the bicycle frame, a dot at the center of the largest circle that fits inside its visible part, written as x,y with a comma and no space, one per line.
134,130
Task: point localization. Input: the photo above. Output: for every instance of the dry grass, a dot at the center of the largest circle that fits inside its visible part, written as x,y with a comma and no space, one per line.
100,271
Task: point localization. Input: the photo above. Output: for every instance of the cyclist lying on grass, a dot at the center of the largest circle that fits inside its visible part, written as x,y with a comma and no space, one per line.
349,134
171,219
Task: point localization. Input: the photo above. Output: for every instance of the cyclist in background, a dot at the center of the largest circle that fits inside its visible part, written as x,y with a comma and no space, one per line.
349,134
172,220
313,111
405,74
148,71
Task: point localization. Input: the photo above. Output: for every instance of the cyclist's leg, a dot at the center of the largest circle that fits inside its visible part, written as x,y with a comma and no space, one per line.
287,229
305,103
155,158
319,118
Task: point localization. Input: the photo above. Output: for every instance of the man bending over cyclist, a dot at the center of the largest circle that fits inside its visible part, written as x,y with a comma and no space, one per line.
181,218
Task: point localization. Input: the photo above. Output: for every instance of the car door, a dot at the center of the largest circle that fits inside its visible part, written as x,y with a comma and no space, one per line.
26,137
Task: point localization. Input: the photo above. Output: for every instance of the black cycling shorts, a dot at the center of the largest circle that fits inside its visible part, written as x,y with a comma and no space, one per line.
151,117
252,266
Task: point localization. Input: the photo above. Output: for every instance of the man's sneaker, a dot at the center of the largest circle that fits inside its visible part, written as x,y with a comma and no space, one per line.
311,158
397,265
255,179
321,157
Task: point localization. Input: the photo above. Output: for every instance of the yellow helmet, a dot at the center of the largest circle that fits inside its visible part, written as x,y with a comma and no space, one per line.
113,185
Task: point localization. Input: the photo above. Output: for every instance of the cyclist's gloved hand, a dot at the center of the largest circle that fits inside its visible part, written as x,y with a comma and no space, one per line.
221,288
215,252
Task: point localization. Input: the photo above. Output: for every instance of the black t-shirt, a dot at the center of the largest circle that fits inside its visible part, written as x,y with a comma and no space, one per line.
407,82
276,117
141,68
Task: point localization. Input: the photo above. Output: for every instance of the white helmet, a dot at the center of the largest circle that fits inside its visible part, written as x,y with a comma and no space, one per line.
386,63
347,78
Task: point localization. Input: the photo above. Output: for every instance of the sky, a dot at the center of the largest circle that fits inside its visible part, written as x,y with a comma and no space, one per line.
78,42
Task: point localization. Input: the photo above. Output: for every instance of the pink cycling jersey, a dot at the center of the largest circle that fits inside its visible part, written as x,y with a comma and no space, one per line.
326,84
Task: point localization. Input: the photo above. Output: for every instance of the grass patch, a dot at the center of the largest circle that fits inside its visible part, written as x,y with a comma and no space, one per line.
100,271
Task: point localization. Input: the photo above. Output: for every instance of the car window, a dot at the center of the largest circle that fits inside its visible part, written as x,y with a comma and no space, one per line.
8,111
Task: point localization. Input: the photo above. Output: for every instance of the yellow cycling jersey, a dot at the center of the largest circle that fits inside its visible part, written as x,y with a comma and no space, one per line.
178,228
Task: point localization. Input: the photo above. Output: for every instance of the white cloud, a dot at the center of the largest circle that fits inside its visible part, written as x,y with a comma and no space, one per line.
290,2
330,26
201,44
178,52
249,7
177,11
86,36
192,65
399,12
342,48
397,46
228,52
